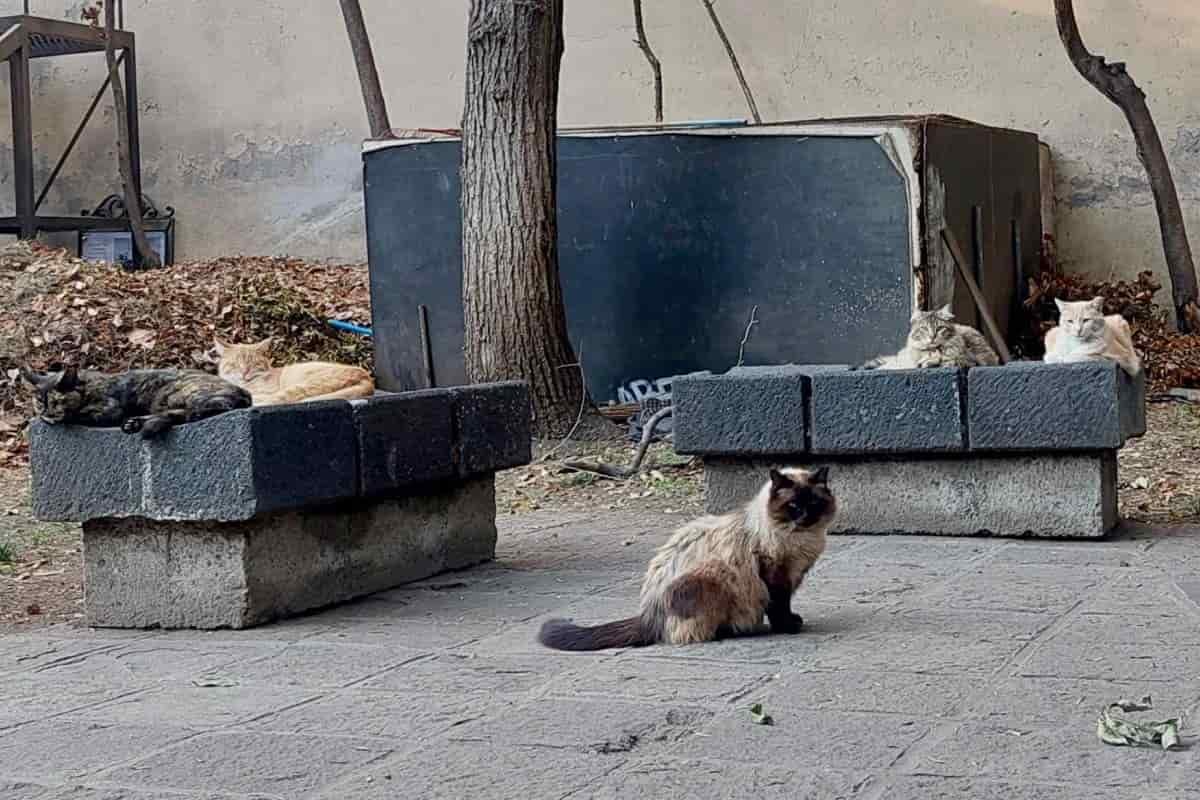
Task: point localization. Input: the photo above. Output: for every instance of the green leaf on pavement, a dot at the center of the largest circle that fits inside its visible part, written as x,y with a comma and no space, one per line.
759,717
1113,728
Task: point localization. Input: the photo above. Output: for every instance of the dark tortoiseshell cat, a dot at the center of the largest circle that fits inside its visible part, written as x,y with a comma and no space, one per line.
148,401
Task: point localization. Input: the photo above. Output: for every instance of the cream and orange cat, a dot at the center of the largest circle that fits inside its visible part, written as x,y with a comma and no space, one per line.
249,366
1085,334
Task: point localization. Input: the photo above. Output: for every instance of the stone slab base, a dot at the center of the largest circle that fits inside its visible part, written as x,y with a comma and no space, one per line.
1072,495
141,573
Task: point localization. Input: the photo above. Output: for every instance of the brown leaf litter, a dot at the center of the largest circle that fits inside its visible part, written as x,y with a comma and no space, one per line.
1171,359
59,309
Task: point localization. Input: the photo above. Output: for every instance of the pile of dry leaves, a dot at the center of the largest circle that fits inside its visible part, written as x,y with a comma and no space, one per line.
58,309
1171,359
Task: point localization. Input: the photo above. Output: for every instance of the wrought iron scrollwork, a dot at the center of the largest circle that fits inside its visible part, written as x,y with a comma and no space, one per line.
113,207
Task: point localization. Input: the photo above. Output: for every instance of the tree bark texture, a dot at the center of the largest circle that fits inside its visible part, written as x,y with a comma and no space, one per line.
368,75
1116,84
133,197
643,44
512,298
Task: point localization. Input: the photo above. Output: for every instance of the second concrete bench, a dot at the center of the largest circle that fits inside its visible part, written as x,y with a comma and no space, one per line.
1027,449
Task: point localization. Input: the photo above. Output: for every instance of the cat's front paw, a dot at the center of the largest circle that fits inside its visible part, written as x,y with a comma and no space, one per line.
792,623
133,424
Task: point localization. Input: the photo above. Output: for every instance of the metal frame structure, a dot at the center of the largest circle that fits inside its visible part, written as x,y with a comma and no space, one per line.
25,38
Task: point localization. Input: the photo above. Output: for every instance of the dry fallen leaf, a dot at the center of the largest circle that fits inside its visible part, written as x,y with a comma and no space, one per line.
142,338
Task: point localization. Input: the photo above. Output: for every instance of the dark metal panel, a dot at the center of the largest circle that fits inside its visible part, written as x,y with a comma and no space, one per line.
1017,193
981,179
666,244
22,128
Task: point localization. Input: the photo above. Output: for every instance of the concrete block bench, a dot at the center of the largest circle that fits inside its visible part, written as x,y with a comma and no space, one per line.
267,512
1027,449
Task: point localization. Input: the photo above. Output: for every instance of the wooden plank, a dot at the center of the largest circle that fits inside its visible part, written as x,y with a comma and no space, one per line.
989,323
1046,181
426,346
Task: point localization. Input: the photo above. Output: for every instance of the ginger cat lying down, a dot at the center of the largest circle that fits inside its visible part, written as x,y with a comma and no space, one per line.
249,366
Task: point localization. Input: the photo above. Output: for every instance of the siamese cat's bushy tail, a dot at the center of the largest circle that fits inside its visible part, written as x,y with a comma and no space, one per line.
561,634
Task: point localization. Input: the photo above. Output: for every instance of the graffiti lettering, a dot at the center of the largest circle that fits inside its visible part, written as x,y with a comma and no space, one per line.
636,391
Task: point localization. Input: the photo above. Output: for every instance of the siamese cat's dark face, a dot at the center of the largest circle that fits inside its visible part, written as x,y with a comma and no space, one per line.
56,395
801,498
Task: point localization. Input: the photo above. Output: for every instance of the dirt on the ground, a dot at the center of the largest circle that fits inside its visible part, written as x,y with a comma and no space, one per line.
667,483
1159,474
41,582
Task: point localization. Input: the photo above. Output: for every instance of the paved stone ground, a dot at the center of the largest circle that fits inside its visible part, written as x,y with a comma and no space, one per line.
931,668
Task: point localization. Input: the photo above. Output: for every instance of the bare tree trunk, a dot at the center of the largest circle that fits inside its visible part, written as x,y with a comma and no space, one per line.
512,299
133,198
655,65
1116,84
733,59
368,75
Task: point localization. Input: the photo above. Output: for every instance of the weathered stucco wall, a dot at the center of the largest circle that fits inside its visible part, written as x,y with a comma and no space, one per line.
252,116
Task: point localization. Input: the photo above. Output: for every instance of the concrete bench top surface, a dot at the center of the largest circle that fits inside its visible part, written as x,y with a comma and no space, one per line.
832,410
249,462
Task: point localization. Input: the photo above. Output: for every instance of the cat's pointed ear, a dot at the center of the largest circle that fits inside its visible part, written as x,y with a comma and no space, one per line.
69,379
219,346
779,481
820,477
1061,305
944,313
1097,303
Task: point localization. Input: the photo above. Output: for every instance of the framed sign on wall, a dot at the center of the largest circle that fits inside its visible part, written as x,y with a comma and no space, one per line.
114,243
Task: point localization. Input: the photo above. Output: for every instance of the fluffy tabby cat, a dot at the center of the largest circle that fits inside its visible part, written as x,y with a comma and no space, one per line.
145,400
936,340
1085,334
249,366
718,576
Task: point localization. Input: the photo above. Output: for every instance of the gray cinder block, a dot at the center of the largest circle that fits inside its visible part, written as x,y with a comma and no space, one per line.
404,440
79,473
748,410
887,411
493,424
1050,495
1029,406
